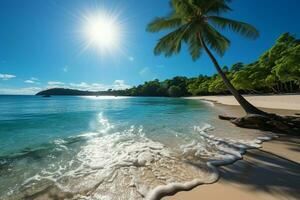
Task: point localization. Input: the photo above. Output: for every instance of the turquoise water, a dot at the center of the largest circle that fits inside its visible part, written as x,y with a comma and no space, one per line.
30,121
109,147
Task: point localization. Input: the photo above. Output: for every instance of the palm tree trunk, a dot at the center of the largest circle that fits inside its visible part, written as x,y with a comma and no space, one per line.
277,86
291,86
248,107
273,89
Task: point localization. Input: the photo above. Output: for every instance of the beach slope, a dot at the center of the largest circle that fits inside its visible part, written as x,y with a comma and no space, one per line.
270,173
287,102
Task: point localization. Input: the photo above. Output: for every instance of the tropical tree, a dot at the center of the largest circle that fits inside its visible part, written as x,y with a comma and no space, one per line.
197,23
237,67
175,91
199,85
288,67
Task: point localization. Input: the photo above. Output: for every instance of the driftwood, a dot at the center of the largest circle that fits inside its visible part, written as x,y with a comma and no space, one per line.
223,117
269,122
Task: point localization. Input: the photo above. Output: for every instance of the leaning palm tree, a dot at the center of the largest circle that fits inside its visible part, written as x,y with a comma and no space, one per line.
197,23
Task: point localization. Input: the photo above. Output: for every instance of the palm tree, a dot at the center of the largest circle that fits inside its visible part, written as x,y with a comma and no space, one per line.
196,23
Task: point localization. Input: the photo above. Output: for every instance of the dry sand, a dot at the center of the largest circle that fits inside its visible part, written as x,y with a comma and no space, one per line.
259,176
269,173
288,102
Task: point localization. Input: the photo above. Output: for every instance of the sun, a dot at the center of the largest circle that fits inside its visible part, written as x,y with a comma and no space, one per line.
102,31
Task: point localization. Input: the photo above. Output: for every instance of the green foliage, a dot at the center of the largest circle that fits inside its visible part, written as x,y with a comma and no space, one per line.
194,22
174,91
241,79
276,71
237,67
217,86
199,86
287,68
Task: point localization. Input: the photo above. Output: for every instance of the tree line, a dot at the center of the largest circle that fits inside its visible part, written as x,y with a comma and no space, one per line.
276,71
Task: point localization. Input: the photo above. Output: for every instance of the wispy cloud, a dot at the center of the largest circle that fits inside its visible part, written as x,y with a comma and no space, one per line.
55,83
32,80
131,58
88,86
117,85
147,73
26,90
66,68
29,81
120,85
144,71
6,76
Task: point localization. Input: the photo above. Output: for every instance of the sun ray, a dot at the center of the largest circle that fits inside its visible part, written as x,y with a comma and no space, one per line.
102,31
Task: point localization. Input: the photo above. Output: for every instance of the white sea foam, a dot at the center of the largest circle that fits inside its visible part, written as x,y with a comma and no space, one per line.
232,150
208,103
159,191
127,164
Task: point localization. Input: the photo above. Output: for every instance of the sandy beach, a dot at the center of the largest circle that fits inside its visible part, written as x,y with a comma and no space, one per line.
288,102
269,173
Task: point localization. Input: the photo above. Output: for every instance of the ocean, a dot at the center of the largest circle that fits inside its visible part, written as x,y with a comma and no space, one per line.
112,147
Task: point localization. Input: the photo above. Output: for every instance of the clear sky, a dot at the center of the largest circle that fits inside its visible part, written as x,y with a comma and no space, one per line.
42,43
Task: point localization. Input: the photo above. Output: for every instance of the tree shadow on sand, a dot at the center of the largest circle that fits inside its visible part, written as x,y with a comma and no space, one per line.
293,142
262,171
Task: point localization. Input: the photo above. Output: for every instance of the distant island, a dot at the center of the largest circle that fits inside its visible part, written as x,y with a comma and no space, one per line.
73,92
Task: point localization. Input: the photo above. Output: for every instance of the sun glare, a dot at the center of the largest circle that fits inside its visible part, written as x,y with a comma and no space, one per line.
102,31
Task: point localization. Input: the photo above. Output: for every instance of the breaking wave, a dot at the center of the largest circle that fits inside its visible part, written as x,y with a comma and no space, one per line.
113,164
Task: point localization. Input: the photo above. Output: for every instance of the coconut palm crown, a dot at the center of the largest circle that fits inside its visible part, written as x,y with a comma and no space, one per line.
197,23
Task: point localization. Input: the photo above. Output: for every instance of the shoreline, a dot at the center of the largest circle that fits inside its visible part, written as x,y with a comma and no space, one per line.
260,175
253,176
285,102
172,190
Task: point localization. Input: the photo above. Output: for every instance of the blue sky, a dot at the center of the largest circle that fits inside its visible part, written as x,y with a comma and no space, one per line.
42,45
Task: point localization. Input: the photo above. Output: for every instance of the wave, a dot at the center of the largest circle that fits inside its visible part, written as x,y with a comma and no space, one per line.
226,151
109,164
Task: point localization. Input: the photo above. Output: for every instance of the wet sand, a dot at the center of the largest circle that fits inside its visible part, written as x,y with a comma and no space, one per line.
260,175
269,173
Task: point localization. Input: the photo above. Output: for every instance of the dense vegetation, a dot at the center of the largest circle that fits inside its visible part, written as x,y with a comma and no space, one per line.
199,24
65,91
73,92
276,71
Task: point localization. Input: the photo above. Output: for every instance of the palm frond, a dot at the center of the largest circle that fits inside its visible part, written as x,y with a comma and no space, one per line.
217,6
195,47
171,43
183,7
212,6
163,23
191,19
215,40
236,26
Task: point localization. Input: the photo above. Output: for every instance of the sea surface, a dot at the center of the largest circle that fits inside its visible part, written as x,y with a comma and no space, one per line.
112,147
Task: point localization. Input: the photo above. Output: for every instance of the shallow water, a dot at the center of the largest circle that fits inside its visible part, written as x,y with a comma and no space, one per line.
111,147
